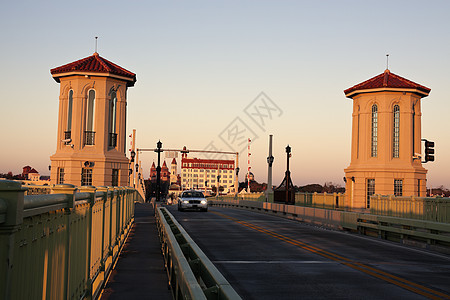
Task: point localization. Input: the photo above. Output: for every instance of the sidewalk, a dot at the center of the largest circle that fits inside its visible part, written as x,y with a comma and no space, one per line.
139,272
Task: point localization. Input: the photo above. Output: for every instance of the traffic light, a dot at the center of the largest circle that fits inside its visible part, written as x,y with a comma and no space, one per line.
429,151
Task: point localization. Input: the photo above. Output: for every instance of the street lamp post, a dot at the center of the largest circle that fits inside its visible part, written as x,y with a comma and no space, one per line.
288,173
270,159
236,183
132,154
158,169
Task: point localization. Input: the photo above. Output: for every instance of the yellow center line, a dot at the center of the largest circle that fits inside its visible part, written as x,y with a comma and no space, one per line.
398,281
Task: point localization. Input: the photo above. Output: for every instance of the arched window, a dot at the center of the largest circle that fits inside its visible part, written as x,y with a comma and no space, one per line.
89,133
68,132
374,130
396,133
357,137
112,119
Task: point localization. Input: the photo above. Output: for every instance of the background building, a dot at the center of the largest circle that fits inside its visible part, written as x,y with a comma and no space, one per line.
165,175
202,174
386,139
91,138
174,176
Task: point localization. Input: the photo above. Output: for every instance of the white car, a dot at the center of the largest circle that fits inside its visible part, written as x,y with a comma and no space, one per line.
192,200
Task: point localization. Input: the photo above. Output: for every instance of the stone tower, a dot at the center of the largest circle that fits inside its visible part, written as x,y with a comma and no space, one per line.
173,172
386,139
91,138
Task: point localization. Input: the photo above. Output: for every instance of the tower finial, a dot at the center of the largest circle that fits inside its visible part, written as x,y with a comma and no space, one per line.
387,61
96,44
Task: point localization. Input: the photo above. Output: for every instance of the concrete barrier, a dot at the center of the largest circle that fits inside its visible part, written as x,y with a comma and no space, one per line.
191,274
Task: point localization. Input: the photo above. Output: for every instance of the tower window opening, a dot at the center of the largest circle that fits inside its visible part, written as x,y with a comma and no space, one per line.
68,132
398,187
90,133
374,143
115,177
86,176
396,133
60,177
370,190
112,120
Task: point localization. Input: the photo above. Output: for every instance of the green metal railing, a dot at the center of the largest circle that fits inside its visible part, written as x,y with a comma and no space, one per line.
62,245
425,233
318,200
434,209
191,274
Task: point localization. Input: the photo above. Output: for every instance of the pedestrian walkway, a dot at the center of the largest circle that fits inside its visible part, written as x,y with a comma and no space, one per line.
139,272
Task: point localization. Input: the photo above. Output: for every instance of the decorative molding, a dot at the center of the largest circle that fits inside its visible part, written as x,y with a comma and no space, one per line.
87,87
65,90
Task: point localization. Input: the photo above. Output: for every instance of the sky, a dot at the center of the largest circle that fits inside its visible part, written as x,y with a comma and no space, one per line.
203,66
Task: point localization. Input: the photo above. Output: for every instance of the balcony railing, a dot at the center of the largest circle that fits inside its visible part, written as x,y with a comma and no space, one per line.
113,140
89,137
67,137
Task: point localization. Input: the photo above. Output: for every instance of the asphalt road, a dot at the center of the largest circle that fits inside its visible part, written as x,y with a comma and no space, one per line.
267,257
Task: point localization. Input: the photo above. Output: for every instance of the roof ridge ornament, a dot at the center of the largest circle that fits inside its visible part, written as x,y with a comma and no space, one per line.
387,62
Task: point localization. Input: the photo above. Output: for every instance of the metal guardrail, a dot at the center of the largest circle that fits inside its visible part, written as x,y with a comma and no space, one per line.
62,245
432,235
191,274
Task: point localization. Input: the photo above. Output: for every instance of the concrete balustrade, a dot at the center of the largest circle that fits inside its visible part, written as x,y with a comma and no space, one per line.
62,245
436,209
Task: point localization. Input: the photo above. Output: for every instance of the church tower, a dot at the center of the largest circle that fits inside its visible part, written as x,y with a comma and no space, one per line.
91,138
173,172
386,139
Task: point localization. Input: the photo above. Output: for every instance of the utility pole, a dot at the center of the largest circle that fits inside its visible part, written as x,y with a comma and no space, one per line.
236,179
249,167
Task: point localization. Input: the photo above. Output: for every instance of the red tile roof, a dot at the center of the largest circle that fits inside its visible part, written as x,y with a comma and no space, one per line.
93,64
387,80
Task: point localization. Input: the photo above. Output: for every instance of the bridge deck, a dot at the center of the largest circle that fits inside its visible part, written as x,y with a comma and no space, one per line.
268,257
139,272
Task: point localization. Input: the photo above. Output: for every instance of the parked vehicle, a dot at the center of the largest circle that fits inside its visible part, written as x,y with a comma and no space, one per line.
192,199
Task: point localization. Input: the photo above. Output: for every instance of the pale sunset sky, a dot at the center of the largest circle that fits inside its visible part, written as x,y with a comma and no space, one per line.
201,67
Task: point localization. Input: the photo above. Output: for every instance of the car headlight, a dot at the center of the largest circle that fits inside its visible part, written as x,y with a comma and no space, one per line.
185,201
203,201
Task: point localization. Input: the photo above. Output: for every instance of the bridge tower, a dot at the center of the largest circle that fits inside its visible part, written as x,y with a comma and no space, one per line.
91,138
386,139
